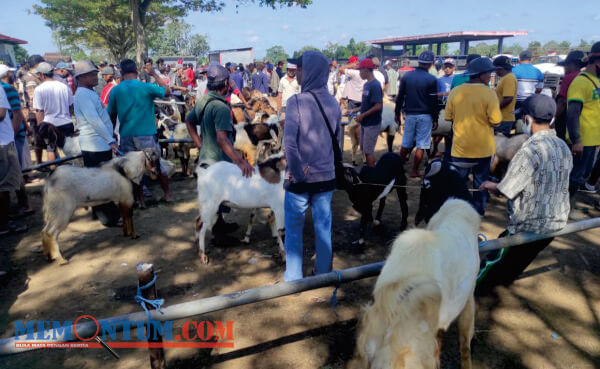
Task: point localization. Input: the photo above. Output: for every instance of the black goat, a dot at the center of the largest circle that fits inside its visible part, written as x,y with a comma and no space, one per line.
375,183
440,183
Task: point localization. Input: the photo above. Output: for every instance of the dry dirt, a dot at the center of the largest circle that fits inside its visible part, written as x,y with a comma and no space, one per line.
549,318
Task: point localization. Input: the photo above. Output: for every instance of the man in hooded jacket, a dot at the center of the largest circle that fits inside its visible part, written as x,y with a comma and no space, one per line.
310,163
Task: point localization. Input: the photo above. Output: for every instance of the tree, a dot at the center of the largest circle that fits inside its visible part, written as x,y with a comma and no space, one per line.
198,46
140,9
21,54
176,39
297,53
357,48
276,53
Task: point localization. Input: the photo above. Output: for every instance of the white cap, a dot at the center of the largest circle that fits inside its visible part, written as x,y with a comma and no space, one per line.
4,69
388,62
291,66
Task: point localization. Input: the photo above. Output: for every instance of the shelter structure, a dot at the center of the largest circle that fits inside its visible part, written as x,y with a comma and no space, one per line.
7,53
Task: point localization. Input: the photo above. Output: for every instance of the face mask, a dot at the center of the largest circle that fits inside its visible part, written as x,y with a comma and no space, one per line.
527,126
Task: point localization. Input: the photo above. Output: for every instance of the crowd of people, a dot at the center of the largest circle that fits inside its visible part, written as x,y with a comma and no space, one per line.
114,111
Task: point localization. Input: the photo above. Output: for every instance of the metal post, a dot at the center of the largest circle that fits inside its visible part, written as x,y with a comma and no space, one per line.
439,49
463,47
500,44
145,274
414,50
430,47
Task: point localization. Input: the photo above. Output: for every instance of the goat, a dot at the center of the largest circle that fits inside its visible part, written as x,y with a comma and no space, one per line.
426,282
375,183
257,141
506,148
70,187
164,127
168,129
223,183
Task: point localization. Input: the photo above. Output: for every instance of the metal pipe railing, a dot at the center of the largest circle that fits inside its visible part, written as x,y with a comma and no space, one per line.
49,163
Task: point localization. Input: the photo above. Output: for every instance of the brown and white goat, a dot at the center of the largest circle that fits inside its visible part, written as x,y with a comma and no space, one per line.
258,141
70,187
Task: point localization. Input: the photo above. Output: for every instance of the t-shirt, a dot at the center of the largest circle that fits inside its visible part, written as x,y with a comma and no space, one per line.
458,80
15,104
379,77
95,127
354,85
288,89
106,93
507,87
372,94
582,89
191,76
54,98
133,102
260,83
529,78
237,79
474,110
566,82
444,83
7,134
392,87
217,117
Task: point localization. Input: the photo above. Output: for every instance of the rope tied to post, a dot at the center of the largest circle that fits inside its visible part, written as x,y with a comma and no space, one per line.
333,299
156,304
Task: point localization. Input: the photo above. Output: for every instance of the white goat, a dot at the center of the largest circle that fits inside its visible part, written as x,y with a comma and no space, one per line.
427,281
70,187
223,182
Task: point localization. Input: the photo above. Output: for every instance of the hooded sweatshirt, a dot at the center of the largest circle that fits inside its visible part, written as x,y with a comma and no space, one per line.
308,146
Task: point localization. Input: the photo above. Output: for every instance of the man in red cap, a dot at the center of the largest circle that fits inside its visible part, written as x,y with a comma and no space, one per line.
370,110
354,84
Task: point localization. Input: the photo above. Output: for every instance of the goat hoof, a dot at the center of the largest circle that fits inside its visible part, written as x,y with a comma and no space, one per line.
62,261
245,240
204,259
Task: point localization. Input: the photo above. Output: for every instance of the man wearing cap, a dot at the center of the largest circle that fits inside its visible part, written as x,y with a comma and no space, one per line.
31,81
96,137
53,102
61,72
572,64
417,99
583,122
7,78
506,90
473,110
444,83
176,83
536,187
112,78
391,90
132,101
10,171
101,80
530,80
370,110
459,79
309,149
353,87
288,87
259,80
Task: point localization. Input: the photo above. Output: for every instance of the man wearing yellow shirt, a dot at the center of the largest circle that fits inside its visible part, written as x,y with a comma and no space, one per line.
507,94
474,110
583,120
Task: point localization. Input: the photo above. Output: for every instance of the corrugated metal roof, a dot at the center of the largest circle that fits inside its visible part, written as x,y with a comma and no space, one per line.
11,40
448,37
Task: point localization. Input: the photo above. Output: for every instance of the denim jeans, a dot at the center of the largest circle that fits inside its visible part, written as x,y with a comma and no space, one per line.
582,167
504,128
295,206
481,173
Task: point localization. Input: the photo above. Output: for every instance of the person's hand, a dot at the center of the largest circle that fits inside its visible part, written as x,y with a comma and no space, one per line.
434,126
114,147
246,168
577,149
489,186
359,118
397,119
247,106
149,69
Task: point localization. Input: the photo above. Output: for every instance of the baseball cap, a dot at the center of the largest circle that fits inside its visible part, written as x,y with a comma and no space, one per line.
43,68
450,61
525,55
108,70
376,61
4,69
387,62
503,62
574,57
426,57
269,66
83,67
479,66
594,52
217,73
63,65
353,59
540,107
34,59
291,66
367,64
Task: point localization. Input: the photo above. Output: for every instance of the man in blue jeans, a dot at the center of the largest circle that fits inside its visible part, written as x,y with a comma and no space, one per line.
310,172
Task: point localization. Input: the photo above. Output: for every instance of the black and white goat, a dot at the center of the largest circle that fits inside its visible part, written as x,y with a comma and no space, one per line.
223,183
373,184
70,187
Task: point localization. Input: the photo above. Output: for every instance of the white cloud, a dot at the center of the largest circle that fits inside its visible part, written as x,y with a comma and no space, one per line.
253,38
285,27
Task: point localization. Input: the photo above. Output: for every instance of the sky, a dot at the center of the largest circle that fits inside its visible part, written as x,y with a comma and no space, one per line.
337,21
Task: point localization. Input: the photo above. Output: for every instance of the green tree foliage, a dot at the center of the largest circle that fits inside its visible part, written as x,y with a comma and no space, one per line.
297,53
276,53
357,48
21,54
176,39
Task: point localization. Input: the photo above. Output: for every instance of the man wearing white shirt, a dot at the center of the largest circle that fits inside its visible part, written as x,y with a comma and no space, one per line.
288,87
353,88
10,170
53,102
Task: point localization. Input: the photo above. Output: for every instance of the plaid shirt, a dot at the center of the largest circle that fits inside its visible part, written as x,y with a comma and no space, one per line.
537,185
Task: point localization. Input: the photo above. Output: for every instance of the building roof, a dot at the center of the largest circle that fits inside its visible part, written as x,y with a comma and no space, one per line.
11,40
446,37
226,50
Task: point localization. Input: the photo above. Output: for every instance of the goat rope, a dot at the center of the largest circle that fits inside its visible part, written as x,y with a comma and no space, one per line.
156,304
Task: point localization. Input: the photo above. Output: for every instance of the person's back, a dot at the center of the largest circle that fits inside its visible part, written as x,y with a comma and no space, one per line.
529,79
133,102
54,98
213,114
474,110
417,87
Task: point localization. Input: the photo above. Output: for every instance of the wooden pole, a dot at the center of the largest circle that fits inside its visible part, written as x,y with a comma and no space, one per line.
145,274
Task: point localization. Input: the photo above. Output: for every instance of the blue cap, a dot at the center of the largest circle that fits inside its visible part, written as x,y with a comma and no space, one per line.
426,57
63,65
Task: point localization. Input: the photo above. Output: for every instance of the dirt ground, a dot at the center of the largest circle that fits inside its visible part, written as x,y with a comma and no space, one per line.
549,318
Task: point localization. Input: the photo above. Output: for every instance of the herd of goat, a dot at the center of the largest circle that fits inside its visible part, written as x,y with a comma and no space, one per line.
427,281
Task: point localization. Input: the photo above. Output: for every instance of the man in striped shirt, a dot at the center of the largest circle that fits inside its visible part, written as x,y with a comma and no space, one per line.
530,80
